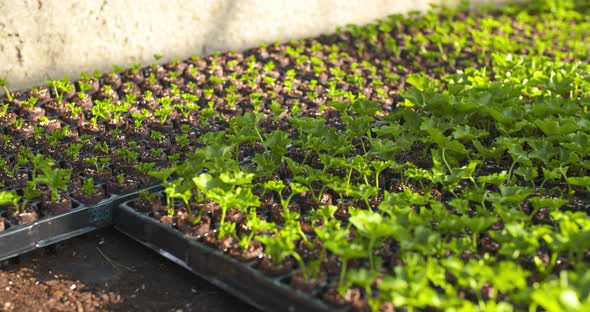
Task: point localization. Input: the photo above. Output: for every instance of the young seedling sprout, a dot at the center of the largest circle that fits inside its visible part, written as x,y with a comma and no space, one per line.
88,187
10,198
61,87
56,178
6,91
278,186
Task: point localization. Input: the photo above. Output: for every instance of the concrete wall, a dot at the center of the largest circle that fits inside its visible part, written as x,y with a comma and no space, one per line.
49,39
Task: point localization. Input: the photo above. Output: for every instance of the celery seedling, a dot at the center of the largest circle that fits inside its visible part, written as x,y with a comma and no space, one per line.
3,85
56,178
88,186
10,197
278,186
60,87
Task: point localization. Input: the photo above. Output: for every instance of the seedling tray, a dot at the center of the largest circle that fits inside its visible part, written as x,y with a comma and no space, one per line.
240,279
19,239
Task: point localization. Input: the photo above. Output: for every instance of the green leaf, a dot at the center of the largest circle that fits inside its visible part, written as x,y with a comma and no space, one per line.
297,188
236,177
420,81
552,203
372,225
510,194
341,106
365,107
580,181
9,197
467,133
477,224
274,185
163,174
496,178
206,182
553,126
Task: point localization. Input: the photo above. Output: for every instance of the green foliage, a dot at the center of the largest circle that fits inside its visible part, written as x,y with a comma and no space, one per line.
56,179
60,87
467,194
88,186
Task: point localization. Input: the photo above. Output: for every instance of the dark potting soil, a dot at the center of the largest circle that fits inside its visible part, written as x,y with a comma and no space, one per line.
106,271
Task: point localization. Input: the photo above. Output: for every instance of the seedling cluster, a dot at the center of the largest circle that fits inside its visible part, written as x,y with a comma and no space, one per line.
435,161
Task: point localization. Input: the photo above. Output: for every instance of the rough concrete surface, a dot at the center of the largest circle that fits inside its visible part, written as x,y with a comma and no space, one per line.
50,39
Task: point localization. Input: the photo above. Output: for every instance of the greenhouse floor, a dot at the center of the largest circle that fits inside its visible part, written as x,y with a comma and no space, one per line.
102,271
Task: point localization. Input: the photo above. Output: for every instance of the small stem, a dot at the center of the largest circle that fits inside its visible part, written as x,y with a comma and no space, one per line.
510,170
377,178
366,180
199,217
363,146
301,264
261,139
348,178
371,256
342,274
8,95
221,231
445,161
368,204
189,210
552,263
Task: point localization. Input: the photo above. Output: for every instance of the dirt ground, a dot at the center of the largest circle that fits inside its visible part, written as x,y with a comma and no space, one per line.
106,271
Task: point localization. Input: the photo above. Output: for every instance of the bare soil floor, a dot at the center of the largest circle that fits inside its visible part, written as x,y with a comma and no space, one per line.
106,271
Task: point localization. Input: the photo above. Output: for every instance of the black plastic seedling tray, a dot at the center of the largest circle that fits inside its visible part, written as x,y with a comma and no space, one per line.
238,278
19,239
